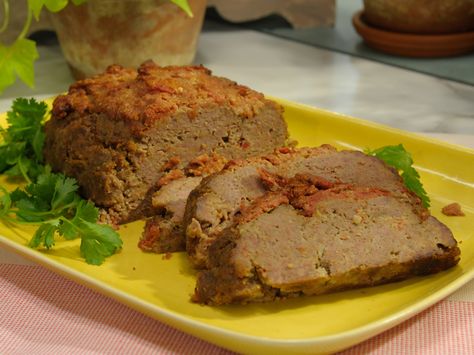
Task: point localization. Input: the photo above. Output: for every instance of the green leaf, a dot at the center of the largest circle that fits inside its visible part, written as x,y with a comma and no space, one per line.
98,242
17,60
5,202
86,211
44,235
37,144
52,5
28,211
55,5
395,156
43,190
25,119
21,150
51,200
183,5
35,6
399,158
52,196
18,194
64,192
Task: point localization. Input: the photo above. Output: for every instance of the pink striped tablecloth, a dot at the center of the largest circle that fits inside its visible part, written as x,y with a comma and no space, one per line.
44,313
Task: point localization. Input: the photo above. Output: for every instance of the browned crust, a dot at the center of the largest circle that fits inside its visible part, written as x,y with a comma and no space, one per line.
124,133
303,192
152,93
161,235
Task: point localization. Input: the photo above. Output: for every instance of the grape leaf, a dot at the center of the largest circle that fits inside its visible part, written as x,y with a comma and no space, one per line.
17,60
183,5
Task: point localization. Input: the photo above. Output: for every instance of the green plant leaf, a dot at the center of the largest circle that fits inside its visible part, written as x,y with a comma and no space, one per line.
52,5
183,5
21,149
49,200
17,60
98,241
5,202
44,235
399,158
85,211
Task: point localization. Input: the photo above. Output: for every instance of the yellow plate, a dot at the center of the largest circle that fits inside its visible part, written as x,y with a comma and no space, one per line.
161,288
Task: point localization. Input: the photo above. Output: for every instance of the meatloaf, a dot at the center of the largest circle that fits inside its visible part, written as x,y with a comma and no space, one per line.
213,205
164,232
313,238
121,132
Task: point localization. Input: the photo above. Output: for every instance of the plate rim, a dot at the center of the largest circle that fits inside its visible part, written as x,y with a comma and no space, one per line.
170,317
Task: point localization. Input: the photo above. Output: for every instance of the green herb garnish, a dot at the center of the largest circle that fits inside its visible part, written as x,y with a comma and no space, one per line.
48,200
54,204
21,150
397,157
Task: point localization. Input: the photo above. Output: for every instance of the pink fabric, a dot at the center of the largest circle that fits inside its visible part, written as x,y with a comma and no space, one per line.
44,313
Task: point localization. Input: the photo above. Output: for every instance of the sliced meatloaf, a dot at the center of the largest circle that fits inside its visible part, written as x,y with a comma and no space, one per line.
308,236
212,206
164,232
121,132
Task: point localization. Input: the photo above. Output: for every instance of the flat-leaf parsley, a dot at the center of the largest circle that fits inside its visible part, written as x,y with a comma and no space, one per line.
399,158
49,200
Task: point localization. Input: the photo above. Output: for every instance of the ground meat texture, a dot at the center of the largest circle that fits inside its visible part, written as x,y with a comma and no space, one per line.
120,132
219,199
164,233
355,237
453,209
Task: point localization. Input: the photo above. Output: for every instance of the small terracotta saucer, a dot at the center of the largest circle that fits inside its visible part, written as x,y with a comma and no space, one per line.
413,45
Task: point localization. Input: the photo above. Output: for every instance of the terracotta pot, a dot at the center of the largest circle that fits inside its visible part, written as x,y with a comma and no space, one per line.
127,32
421,16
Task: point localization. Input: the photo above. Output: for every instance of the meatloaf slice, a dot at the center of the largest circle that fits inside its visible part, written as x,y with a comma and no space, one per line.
307,237
117,132
212,206
164,232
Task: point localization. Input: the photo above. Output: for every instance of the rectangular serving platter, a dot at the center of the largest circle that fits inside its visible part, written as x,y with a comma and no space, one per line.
161,288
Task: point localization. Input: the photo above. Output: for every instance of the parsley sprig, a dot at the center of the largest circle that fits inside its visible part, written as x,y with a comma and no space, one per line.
54,204
49,200
21,150
399,158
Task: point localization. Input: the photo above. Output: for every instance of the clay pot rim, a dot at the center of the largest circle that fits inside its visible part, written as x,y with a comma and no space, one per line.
414,45
385,36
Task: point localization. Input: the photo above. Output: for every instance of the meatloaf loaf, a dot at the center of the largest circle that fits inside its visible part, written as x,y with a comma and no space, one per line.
213,204
309,221
121,132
